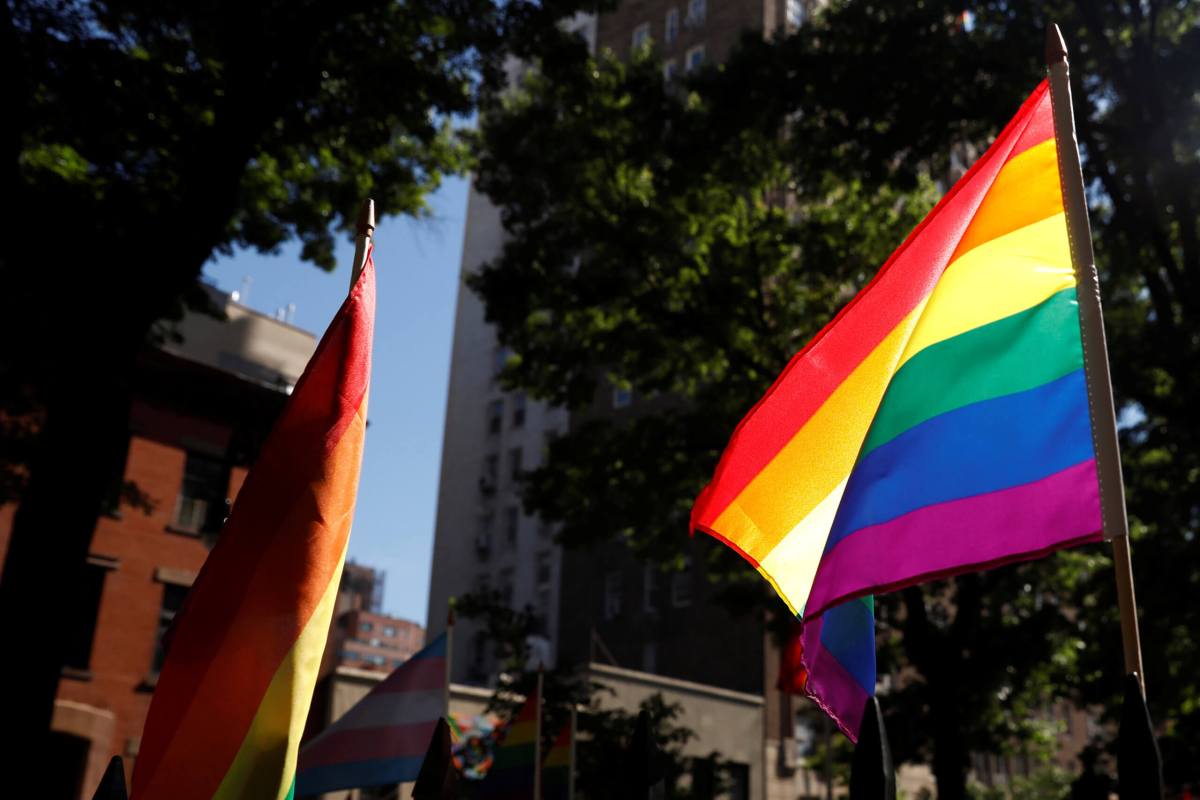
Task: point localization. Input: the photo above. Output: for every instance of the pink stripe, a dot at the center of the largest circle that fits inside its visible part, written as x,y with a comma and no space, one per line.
416,675
980,532
363,744
830,685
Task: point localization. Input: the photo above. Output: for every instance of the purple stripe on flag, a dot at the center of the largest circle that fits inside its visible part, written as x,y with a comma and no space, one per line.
361,744
987,530
415,675
830,685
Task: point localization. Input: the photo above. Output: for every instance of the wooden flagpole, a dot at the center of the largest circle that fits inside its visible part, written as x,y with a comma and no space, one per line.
364,232
1095,350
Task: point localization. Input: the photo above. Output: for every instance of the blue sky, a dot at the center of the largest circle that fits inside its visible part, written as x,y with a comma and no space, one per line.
417,264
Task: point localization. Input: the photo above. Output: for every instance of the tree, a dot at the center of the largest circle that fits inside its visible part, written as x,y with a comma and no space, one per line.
141,139
685,241
604,733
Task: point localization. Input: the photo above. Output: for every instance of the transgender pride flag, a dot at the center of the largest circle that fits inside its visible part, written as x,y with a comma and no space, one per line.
944,421
383,738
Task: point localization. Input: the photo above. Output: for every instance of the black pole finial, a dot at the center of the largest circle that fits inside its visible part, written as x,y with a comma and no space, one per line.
872,776
1139,765
112,785
438,779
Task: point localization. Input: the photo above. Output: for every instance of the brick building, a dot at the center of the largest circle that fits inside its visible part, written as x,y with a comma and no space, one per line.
201,410
362,637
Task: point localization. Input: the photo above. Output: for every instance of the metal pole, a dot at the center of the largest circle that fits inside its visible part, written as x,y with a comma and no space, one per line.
364,231
1095,351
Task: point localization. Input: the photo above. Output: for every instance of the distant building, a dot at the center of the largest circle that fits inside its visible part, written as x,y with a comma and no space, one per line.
202,408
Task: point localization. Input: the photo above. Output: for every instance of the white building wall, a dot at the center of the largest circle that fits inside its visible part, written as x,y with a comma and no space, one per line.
460,564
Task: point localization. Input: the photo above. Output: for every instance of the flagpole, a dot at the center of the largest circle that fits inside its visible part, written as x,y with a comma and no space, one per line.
1095,351
537,741
364,231
571,758
449,653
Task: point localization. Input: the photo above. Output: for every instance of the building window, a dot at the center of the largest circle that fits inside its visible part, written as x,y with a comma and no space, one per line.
512,523
543,609
621,397
202,494
681,586
514,463
349,655
172,601
694,58
506,587
641,36
82,633
649,656
650,589
518,410
389,631
612,595
671,27
500,360
491,473
795,13
696,11
483,537
543,567
670,70
495,416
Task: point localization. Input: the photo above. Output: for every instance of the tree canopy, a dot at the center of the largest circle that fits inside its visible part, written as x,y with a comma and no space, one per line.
685,239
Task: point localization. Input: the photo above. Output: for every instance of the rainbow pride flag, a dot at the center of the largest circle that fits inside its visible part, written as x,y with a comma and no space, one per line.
515,766
556,769
939,424
234,691
383,738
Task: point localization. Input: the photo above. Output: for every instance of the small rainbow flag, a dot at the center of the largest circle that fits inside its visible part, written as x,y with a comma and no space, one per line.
939,424
556,769
383,738
235,688
514,770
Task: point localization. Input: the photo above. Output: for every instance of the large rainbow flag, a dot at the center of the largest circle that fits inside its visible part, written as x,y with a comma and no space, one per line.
939,424
383,738
234,690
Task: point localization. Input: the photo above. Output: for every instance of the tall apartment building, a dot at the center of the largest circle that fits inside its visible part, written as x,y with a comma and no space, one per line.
201,410
604,597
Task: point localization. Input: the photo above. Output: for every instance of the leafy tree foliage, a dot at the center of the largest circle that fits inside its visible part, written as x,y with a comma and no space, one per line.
684,241
140,140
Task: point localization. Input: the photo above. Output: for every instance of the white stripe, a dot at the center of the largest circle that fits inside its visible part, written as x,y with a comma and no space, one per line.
792,564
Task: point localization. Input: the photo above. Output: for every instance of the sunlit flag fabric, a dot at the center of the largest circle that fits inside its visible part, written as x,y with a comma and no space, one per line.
939,424
512,774
383,738
234,690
